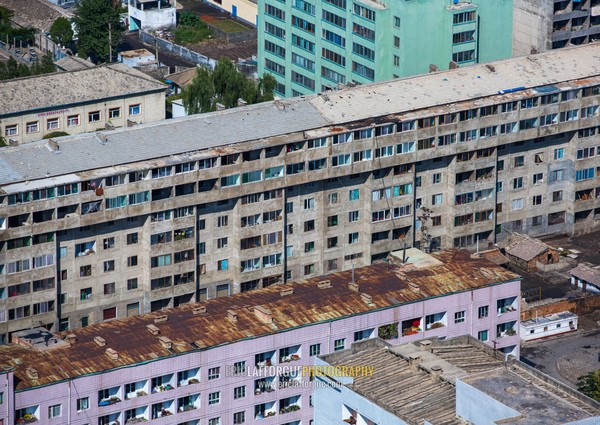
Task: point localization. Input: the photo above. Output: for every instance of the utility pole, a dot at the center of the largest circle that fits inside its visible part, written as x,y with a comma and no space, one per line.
109,42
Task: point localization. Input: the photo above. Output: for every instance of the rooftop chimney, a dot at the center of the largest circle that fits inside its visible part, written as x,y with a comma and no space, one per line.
161,319
165,342
199,310
32,373
286,291
367,298
324,284
232,316
112,354
354,287
100,341
153,329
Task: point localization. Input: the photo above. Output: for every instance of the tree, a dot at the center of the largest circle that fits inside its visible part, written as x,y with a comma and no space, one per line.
198,96
590,384
92,19
44,66
61,32
225,85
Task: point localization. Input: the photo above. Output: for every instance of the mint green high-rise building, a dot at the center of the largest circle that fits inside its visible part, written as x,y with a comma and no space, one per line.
315,45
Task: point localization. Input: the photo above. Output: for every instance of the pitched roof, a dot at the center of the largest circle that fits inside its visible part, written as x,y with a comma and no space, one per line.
182,78
587,273
525,248
43,92
73,63
387,286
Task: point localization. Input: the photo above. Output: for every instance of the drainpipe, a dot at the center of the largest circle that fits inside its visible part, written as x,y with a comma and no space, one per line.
496,200
285,259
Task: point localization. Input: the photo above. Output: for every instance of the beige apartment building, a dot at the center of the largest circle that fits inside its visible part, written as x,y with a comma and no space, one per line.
111,224
79,101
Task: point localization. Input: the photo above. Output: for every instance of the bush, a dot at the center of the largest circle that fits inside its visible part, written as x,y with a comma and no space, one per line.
189,35
56,134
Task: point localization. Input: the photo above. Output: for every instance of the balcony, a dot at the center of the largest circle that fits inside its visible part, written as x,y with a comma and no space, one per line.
109,396
506,305
435,321
289,354
162,410
288,405
264,410
264,359
162,383
136,389
188,377
136,416
264,385
411,327
504,330
188,403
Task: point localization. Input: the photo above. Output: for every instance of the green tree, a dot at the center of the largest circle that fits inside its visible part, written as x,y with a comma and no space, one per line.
224,85
198,96
92,19
43,66
590,384
61,32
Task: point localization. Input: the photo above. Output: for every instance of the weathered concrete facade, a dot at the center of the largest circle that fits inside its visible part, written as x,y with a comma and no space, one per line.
137,219
541,25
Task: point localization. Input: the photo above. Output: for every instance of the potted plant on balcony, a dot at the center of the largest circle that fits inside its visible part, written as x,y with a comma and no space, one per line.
193,381
510,332
141,393
295,357
270,414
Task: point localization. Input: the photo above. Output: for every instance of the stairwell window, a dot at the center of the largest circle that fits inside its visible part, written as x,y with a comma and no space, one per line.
94,116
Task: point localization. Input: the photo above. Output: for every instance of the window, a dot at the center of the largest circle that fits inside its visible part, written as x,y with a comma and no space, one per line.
463,17
483,311
83,404
354,194
239,392
482,335
519,161
132,261
538,178
214,398
315,350
32,127
339,344
109,266
132,238
309,203
557,196
518,183
239,418
52,124
214,373
132,283
214,421
437,199
309,269
54,411
222,221
459,317
466,56
109,288
94,116
239,367
11,130
517,204
114,113
223,265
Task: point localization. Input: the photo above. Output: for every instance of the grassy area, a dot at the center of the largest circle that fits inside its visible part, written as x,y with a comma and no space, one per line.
188,35
228,25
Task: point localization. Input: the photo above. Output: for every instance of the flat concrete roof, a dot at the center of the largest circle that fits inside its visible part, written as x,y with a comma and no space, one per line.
315,115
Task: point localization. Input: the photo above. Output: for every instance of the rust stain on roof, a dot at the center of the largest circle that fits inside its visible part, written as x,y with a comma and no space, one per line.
308,304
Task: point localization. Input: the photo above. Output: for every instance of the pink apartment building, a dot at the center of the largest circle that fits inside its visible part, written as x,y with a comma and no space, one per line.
208,363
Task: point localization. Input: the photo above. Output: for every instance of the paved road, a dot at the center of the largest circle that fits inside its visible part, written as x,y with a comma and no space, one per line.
565,358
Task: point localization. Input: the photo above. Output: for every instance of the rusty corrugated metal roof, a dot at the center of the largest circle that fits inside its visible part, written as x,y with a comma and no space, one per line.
386,284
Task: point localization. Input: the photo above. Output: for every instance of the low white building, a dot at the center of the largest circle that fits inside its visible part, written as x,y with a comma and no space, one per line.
152,14
586,278
136,57
553,324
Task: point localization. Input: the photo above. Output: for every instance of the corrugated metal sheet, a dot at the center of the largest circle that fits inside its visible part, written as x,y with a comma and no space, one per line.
307,305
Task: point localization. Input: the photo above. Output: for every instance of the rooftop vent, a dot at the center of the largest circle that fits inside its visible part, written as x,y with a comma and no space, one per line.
100,341
199,310
263,314
287,291
354,287
413,285
112,354
324,284
232,316
32,373
53,145
161,319
153,329
165,342
71,338
367,298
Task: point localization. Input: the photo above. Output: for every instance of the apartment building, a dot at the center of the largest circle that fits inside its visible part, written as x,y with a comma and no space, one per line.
540,25
246,358
118,223
312,46
80,101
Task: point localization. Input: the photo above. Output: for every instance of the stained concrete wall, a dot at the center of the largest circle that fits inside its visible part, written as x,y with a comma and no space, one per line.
532,26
